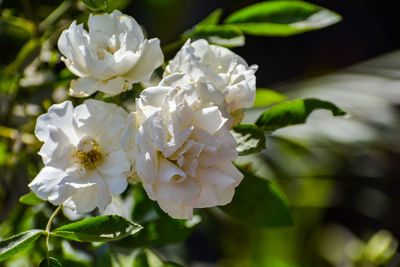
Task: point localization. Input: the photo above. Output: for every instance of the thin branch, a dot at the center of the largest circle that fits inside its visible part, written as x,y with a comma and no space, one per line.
48,227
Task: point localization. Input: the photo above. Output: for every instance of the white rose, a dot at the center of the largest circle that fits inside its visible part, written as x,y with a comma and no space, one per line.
110,57
84,161
185,148
227,71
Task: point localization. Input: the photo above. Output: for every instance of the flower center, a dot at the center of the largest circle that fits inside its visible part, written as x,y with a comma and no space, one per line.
88,154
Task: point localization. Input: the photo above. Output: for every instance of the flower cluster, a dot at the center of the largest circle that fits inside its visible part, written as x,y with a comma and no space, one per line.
177,142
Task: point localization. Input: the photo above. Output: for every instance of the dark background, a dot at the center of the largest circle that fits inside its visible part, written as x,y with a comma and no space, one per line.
369,28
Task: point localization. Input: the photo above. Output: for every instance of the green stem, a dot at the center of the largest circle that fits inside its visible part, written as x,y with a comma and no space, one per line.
55,15
48,226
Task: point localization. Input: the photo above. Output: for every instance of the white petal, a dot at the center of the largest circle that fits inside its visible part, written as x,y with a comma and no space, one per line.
157,126
127,24
120,207
60,116
182,192
124,61
168,171
83,87
114,86
128,139
57,149
46,182
214,176
91,193
176,210
231,170
149,190
102,23
69,43
207,198
151,58
116,184
225,195
83,200
209,119
209,94
115,163
60,194
100,69
154,96
146,165
102,121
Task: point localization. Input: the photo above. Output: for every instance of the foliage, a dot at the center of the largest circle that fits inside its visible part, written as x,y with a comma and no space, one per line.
33,78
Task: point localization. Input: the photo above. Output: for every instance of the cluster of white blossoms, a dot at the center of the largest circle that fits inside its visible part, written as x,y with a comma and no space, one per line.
178,142
110,57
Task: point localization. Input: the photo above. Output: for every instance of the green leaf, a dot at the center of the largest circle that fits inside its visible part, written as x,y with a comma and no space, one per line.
259,203
53,262
18,243
250,139
95,4
158,232
212,19
293,112
98,229
117,4
225,35
282,18
30,199
266,97
158,227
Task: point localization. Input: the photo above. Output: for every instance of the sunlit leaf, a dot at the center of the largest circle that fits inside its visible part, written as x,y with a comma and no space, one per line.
18,243
293,112
282,18
52,262
95,4
250,139
225,35
266,97
157,232
98,229
259,203
30,199
212,19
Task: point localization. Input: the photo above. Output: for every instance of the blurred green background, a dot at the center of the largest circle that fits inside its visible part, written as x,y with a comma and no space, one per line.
341,176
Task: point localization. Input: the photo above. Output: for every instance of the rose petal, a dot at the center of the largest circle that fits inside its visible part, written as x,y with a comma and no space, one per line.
114,163
182,192
176,210
46,181
83,87
215,177
151,58
209,119
59,115
168,171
